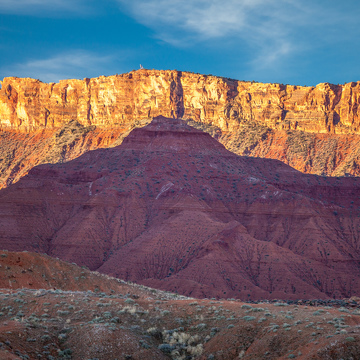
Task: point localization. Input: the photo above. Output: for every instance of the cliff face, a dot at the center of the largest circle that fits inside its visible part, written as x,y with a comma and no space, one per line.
306,127
28,104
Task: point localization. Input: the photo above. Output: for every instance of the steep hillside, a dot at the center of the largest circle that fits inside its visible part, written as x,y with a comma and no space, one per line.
173,209
28,270
314,129
20,152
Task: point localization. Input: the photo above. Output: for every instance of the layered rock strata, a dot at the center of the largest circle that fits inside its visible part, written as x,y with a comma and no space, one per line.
28,104
173,209
314,129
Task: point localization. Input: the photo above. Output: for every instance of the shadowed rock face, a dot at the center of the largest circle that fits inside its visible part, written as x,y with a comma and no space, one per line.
313,129
172,208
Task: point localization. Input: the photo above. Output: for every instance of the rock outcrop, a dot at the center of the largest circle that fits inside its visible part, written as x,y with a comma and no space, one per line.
28,104
314,129
173,209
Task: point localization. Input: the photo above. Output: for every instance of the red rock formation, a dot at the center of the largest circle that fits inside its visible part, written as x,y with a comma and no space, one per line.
32,112
20,152
28,104
172,208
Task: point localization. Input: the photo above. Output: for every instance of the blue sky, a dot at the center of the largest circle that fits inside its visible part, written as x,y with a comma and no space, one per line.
299,42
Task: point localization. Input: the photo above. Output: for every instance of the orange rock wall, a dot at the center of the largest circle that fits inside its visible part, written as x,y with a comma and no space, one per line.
27,104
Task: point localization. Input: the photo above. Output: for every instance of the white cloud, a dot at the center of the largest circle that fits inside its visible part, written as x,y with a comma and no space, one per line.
270,30
261,25
74,64
206,18
44,7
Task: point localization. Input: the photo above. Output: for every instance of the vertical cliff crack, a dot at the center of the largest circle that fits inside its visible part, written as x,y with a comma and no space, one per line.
176,96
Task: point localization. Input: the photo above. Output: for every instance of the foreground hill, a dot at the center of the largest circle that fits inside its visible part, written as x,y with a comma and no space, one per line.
115,320
28,270
173,209
313,129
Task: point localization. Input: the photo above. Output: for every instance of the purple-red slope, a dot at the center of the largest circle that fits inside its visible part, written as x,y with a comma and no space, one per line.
172,208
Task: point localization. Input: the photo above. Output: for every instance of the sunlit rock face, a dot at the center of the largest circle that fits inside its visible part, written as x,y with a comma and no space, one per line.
28,104
313,129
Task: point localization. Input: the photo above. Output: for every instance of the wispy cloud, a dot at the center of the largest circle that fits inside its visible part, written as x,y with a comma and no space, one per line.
74,64
43,8
270,30
206,19
260,26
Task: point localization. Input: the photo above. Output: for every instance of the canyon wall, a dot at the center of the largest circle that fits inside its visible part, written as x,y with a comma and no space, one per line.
28,104
314,129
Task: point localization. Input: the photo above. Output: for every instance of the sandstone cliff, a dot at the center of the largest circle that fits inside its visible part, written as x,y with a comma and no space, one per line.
314,129
28,104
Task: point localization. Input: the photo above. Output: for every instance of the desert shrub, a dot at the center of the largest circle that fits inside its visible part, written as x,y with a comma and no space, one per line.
201,326
249,318
350,339
144,344
166,348
107,315
155,332
65,354
45,338
62,337
342,309
195,350
256,310
100,304
318,312
181,345
61,312
129,301
280,304
128,310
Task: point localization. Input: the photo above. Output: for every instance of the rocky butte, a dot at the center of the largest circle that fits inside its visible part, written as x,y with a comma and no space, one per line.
173,209
313,129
